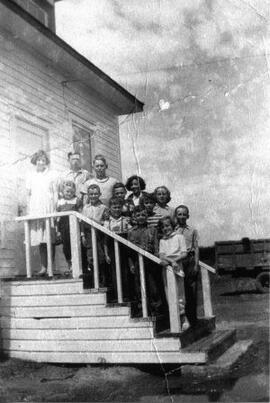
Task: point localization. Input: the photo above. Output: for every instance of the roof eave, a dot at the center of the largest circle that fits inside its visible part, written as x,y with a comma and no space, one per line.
63,55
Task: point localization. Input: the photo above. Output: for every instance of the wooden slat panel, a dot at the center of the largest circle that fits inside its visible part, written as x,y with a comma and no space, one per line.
112,358
74,323
66,311
49,79
54,300
237,247
152,345
242,260
225,262
78,334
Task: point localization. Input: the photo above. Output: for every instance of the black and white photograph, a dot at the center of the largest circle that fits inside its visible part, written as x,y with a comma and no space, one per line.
134,202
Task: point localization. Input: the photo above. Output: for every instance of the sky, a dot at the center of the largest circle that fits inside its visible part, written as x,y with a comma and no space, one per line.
202,69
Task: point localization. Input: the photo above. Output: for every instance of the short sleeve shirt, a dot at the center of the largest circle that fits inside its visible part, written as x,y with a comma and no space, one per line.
95,212
191,236
105,185
163,211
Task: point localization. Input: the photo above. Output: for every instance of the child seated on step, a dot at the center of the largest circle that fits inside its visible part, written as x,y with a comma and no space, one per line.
96,211
163,197
120,225
172,251
190,263
146,238
119,190
68,202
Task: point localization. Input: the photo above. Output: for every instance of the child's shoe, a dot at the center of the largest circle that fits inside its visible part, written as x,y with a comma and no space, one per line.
184,322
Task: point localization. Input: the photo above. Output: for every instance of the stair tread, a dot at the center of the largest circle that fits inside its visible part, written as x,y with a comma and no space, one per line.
223,364
208,342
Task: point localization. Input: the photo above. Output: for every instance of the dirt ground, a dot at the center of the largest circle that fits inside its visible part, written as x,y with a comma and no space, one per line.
236,305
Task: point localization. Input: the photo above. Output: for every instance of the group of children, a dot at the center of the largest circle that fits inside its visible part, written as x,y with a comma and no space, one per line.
146,220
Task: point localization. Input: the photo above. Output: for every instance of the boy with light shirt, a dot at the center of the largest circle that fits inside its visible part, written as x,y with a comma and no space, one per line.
191,263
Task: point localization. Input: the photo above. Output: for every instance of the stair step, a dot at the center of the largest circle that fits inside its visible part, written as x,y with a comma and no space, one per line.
223,365
203,328
214,345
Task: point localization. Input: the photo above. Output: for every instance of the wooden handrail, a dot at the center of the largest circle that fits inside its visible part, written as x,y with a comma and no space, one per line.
107,232
74,219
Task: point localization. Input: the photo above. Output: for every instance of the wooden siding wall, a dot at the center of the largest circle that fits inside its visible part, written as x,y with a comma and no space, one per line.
31,89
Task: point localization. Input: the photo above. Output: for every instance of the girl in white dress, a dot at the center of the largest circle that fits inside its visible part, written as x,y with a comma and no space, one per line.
172,250
42,192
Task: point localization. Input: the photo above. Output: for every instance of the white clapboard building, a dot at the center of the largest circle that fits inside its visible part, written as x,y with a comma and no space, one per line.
51,97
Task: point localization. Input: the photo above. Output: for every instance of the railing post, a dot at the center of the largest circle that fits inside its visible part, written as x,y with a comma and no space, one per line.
49,247
143,287
173,301
118,272
75,244
27,249
206,291
95,256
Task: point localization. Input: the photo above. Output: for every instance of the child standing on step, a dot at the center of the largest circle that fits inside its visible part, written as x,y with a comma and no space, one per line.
172,251
69,202
97,211
163,197
148,200
119,190
190,263
120,225
146,238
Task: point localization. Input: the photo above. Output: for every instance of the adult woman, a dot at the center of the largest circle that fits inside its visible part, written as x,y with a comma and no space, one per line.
136,185
101,179
42,191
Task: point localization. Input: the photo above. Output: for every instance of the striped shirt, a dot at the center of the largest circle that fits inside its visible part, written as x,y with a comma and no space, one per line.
152,220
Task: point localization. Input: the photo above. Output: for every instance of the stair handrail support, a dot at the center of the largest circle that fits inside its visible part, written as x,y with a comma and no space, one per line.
75,218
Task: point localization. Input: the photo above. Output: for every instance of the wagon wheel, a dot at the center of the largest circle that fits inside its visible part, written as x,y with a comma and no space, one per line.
262,282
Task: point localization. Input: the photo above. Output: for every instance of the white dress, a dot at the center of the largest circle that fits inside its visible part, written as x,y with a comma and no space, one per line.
43,197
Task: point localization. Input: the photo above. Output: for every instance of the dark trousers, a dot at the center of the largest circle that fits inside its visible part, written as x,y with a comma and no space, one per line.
110,272
66,245
155,292
44,255
65,235
191,288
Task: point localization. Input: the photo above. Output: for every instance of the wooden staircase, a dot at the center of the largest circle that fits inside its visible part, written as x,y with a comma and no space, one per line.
59,321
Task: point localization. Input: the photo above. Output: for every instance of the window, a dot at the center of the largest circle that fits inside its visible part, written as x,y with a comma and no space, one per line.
82,143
